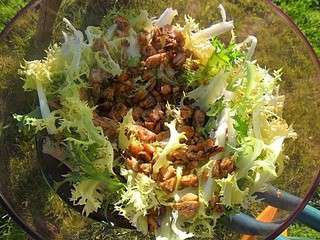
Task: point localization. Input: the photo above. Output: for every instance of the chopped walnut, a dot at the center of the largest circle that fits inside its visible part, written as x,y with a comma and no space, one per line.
222,168
189,181
166,173
188,205
169,185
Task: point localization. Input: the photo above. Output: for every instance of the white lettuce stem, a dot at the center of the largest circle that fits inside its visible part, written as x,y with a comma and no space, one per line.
43,102
166,17
250,39
215,30
223,13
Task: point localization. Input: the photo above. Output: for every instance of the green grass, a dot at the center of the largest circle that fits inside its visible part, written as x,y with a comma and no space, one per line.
306,13
8,9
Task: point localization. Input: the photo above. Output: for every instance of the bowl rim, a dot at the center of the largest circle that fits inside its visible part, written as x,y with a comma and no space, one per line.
293,214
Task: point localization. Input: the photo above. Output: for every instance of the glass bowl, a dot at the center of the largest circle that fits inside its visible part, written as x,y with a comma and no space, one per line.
24,191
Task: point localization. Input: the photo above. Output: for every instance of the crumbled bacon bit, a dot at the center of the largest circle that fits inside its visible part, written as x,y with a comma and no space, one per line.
179,59
122,24
156,60
137,113
148,102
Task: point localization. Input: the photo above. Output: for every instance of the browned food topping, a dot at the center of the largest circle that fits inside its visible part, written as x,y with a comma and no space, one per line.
166,89
135,147
199,118
166,173
99,44
109,126
187,130
189,197
186,112
145,135
146,168
146,89
118,112
194,153
144,156
179,59
215,204
149,149
169,185
189,181
148,102
133,164
163,136
122,25
157,59
188,205
137,113
223,167
152,222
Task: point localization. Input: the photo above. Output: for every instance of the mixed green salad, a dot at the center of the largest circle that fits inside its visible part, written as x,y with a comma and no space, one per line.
166,122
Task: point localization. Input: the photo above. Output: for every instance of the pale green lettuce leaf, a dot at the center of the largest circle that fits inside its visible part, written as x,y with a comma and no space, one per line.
206,95
161,155
87,193
231,194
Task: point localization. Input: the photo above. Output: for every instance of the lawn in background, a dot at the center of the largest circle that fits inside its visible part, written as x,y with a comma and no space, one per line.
306,14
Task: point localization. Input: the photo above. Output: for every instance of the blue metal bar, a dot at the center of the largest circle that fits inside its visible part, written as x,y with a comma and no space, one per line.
310,216
245,224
